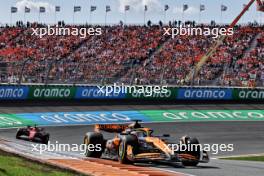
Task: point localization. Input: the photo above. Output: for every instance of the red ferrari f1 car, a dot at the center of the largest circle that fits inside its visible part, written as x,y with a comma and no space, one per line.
35,134
134,143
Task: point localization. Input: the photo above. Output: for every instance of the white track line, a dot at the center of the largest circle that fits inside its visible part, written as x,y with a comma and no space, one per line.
244,155
175,172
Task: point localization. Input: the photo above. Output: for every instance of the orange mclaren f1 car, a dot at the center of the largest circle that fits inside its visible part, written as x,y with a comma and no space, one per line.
134,143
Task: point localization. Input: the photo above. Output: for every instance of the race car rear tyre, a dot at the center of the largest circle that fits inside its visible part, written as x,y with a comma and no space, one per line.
196,153
94,139
45,139
127,141
190,163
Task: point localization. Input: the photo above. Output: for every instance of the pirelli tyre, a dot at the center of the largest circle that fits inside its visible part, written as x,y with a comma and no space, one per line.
45,139
94,138
19,134
196,153
127,148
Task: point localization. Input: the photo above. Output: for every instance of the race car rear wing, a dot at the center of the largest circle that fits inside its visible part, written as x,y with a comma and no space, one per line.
111,128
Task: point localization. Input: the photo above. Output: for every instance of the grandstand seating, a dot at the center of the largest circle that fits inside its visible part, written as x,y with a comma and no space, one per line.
130,54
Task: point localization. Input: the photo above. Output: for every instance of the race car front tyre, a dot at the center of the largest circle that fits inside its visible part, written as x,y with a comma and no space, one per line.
18,134
128,142
195,153
94,139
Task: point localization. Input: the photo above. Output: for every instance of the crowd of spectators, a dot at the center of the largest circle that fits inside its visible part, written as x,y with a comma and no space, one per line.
178,56
248,68
22,49
130,54
108,56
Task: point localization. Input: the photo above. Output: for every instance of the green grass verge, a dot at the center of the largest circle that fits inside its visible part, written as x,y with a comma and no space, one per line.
247,158
11,165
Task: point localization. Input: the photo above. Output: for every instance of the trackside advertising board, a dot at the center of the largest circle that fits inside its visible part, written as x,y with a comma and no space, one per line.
248,94
94,92
12,120
110,117
13,92
203,115
204,94
151,94
52,92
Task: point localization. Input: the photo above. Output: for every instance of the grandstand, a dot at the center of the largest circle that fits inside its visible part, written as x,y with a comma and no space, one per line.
130,54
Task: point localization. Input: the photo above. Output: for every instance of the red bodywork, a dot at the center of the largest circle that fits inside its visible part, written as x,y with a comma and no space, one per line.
32,133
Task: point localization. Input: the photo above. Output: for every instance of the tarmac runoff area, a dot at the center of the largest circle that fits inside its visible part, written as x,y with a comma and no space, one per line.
247,137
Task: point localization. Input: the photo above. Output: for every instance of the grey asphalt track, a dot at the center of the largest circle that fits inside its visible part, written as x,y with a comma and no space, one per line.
247,137
29,109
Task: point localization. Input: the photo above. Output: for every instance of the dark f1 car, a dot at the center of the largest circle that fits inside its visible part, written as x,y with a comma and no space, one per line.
35,134
134,143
